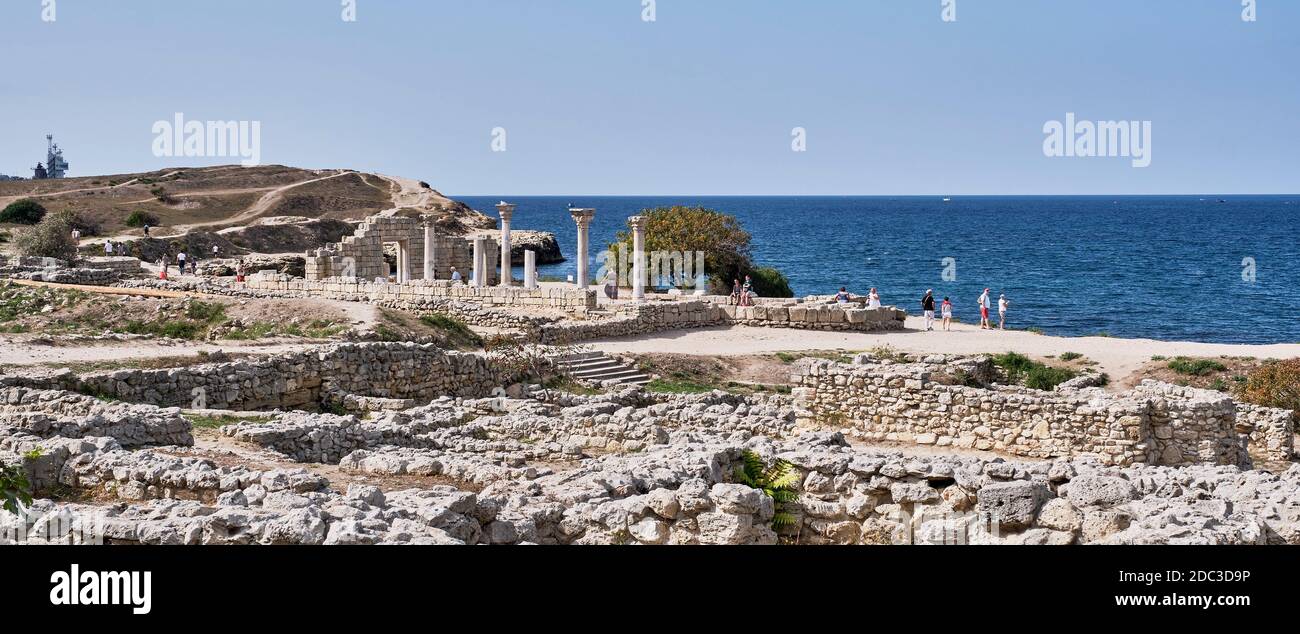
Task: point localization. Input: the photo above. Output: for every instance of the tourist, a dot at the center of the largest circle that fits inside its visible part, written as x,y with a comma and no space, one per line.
194,266
843,296
239,270
1003,303
455,275
873,298
985,324
108,247
611,285
216,251
747,292
735,292
162,267
146,230
927,309
946,311
76,235
180,260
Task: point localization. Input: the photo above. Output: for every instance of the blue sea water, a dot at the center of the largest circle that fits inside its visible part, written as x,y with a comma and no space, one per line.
1160,267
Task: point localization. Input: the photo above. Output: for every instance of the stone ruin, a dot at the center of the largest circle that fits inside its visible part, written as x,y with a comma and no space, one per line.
941,402
361,255
625,467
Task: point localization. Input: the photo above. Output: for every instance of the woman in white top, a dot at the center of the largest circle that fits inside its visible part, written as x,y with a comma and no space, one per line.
873,299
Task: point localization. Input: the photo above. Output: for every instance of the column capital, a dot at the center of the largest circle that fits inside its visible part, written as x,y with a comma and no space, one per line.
638,223
582,216
506,210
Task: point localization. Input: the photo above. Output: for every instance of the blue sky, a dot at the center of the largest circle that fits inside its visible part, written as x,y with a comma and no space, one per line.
594,100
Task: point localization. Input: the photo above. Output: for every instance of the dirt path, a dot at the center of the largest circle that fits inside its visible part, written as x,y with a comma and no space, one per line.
1117,357
19,352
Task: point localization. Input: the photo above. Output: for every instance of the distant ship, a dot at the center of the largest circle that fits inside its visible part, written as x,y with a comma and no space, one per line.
947,200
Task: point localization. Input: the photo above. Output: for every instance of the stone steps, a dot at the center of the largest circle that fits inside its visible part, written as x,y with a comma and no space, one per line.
596,366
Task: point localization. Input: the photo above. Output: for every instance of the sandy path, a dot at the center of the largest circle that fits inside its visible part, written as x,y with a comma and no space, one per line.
19,352
1117,357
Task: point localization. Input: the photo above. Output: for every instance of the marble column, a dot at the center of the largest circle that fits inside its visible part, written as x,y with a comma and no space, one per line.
530,269
480,261
583,218
403,263
638,257
507,211
429,232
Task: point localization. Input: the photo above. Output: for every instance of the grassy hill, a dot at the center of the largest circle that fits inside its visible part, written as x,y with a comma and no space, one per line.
209,199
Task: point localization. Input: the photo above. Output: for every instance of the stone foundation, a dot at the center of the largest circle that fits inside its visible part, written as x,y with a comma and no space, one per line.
1154,424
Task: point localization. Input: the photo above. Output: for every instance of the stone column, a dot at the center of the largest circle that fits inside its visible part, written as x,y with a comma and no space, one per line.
507,211
403,263
530,269
583,218
429,232
638,257
480,262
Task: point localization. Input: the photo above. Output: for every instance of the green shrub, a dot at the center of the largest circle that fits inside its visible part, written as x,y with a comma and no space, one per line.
1274,384
1195,367
139,219
50,238
23,212
1070,356
1032,374
779,482
456,330
769,282
15,489
1046,378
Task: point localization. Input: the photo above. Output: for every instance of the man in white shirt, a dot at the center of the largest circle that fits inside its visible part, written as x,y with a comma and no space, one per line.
985,323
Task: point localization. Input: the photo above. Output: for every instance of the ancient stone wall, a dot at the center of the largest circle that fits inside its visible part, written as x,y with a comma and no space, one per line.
418,293
1272,431
96,271
651,317
1154,424
294,380
361,255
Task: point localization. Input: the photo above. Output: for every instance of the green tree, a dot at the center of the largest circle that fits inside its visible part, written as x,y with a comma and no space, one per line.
51,237
23,212
15,489
722,239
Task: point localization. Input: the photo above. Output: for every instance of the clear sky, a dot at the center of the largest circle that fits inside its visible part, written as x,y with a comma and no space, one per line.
595,100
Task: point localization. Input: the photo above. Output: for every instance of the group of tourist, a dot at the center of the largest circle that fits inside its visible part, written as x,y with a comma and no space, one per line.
183,259
742,294
928,306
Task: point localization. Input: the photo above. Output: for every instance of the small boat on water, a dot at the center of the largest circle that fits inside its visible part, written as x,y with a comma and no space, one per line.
947,200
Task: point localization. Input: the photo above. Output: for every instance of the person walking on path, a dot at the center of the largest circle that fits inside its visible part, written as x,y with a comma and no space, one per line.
146,230
1003,303
108,247
180,261
946,308
985,324
162,267
873,298
927,309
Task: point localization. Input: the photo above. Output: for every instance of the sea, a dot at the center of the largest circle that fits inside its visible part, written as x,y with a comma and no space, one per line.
1180,268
